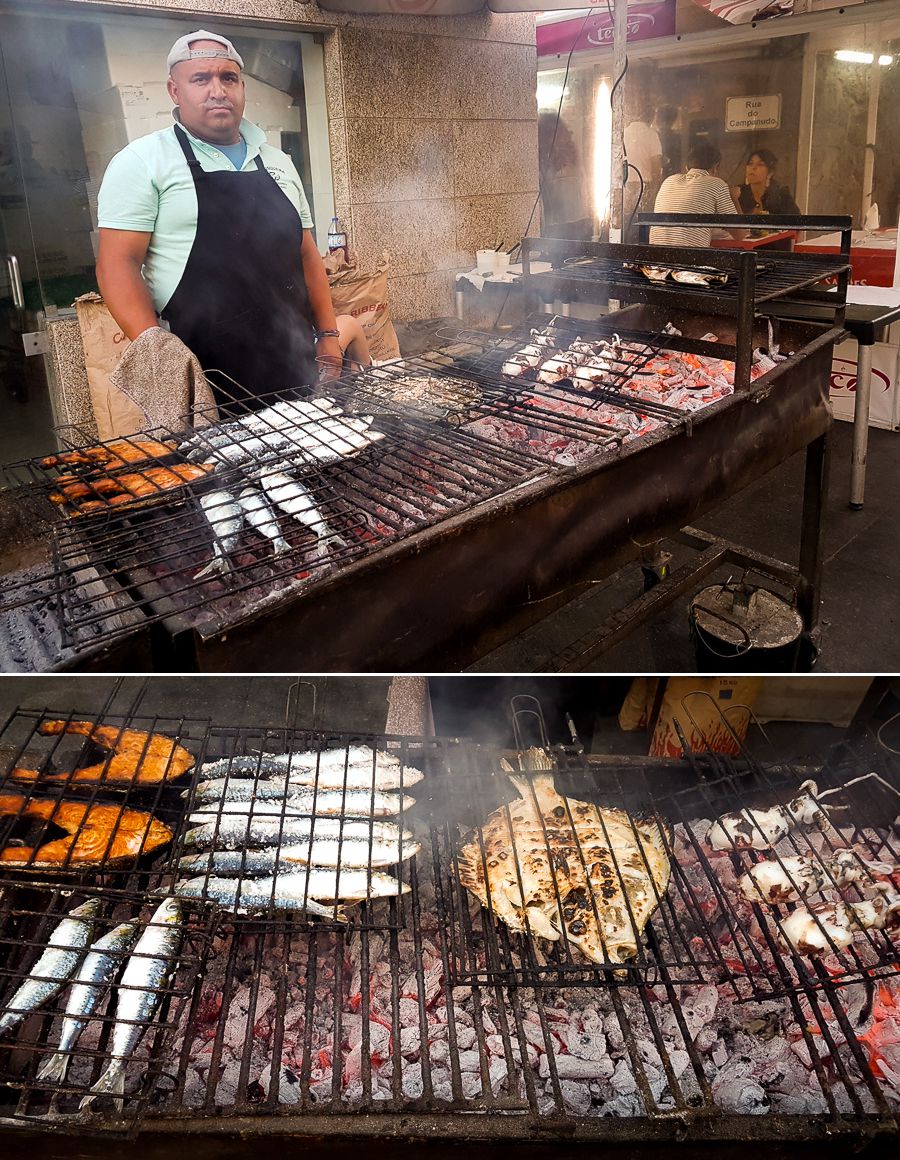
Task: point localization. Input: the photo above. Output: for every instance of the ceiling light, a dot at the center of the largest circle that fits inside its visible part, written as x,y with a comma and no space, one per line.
851,56
885,61
550,93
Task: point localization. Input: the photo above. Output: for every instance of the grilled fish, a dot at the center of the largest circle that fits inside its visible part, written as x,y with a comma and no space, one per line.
116,453
138,757
354,803
358,767
247,895
315,884
558,866
225,516
294,500
350,853
97,834
239,832
144,981
259,515
90,983
56,965
705,276
274,786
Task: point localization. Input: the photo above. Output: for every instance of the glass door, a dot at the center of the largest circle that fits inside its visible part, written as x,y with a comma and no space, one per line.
26,428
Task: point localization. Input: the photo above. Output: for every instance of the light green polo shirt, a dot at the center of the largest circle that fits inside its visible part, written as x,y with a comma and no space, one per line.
148,187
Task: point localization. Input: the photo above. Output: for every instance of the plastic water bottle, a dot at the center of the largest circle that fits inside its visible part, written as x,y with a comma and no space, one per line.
337,238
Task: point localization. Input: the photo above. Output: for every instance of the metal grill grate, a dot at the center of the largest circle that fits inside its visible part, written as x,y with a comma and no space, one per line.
149,555
320,1024
763,958
93,818
348,809
702,928
28,919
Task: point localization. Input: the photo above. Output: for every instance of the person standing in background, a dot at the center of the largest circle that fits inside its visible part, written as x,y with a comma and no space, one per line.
669,139
760,192
643,152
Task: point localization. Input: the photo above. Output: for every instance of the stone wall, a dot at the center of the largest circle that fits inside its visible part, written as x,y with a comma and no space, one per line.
433,132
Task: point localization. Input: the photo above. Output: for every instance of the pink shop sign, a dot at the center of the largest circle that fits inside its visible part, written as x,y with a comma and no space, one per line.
645,22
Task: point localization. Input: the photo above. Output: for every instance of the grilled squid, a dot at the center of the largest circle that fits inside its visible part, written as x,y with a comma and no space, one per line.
560,367
831,925
795,877
524,360
763,829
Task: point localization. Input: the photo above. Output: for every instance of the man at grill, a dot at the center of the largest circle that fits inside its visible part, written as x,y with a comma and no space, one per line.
206,226
698,190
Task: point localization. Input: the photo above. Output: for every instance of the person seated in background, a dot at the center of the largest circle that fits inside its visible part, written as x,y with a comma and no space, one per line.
643,152
699,190
760,192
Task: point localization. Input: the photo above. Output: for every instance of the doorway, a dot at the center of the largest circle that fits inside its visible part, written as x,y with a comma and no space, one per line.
27,415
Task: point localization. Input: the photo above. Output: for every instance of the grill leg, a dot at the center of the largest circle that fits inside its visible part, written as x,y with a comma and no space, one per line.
812,545
861,425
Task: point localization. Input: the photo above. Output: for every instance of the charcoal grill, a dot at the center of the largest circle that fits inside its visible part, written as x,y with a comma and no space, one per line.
318,1033
435,508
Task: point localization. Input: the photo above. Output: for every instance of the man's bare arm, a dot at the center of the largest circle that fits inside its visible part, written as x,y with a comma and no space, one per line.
328,350
119,259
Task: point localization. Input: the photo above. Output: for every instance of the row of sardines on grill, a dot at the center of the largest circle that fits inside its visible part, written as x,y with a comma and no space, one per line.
311,831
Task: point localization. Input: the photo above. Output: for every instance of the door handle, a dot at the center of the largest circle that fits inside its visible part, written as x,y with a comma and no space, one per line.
15,281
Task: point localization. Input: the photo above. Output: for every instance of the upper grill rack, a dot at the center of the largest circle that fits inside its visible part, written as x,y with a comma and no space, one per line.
596,272
702,928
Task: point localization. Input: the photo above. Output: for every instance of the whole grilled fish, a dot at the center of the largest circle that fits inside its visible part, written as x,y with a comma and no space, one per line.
358,767
294,500
144,980
351,853
559,866
56,965
225,516
245,895
259,515
90,983
317,885
237,832
355,803
276,786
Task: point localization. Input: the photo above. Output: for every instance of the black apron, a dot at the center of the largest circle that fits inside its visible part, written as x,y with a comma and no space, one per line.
242,304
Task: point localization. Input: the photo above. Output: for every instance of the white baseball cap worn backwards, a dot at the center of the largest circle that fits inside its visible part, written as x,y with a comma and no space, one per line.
181,50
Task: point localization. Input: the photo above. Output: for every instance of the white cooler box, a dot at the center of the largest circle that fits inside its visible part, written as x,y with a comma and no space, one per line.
885,405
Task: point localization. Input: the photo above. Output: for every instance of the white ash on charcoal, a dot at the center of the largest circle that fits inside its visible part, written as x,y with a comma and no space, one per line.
594,1054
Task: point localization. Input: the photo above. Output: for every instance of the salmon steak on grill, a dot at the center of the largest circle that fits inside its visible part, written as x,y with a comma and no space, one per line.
96,835
135,757
563,868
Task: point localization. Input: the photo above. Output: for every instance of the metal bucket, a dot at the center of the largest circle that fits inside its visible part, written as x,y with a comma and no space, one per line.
740,628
